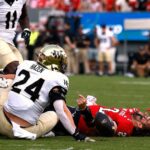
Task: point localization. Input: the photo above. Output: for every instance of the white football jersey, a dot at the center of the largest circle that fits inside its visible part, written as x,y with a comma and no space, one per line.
10,12
30,91
105,40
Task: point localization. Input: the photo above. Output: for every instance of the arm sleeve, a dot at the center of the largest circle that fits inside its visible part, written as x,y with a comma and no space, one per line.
88,117
59,108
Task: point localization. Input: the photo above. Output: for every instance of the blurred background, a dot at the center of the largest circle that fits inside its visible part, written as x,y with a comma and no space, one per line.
101,37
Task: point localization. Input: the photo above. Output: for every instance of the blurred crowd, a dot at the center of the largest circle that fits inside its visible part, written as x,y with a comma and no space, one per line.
89,53
92,5
93,53
139,62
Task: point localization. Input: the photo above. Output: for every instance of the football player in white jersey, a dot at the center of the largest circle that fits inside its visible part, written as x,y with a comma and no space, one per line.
105,41
36,86
11,12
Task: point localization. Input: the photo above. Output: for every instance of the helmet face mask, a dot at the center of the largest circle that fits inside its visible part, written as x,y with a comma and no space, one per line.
53,57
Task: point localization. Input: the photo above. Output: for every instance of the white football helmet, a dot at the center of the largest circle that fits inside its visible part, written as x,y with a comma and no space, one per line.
53,57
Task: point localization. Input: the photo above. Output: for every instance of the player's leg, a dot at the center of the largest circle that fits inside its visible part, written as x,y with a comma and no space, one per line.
108,60
45,123
9,60
5,125
101,64
9,57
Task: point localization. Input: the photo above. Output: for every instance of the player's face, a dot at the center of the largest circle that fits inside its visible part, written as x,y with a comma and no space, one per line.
142,122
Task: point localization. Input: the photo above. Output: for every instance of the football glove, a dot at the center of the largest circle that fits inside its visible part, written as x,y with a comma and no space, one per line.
26,35
81,137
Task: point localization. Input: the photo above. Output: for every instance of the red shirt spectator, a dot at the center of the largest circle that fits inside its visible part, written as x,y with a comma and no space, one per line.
110,5
148,5
41,3
75,4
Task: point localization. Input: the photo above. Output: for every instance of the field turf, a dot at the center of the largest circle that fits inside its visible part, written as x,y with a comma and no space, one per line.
110,91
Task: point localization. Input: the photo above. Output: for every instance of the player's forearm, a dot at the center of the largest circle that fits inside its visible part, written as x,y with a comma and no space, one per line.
88,117
24,19
64,116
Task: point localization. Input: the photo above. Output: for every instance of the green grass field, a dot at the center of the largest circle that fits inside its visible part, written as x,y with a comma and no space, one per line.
110,91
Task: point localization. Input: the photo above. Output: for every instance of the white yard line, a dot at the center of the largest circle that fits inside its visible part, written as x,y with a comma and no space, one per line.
135,82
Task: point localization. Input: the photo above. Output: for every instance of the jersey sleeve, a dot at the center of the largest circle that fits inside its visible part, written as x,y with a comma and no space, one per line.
59,89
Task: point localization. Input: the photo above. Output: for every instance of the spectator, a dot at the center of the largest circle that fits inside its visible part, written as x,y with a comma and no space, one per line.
92,53
75,4
113,51
96,6
123,6
41,40
32,3
33,37
53,37
148,5
70,48
82,43
141,5
41,3
105,42
141,63
109,5
85,6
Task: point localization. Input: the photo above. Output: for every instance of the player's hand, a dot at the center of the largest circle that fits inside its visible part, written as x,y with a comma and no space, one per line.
81,102
3,82
81,137
26,35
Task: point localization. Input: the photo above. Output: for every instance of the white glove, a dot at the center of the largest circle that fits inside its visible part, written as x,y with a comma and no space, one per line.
88,139
3,82
91,100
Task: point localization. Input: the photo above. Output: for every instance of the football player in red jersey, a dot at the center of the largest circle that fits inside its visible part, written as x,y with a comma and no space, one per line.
129,121
98,120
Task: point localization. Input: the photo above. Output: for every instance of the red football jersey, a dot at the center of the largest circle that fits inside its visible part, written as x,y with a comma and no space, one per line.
121,116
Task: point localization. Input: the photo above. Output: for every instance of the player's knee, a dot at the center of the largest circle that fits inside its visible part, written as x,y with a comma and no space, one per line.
49,119
11,68
104,125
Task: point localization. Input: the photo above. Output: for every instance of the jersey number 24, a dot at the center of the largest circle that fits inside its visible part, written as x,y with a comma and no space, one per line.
33,89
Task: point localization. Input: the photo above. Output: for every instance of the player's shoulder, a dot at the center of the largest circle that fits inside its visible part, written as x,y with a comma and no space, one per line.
27,62
60,79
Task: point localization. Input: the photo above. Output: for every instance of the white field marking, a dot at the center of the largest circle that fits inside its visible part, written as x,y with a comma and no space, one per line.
69,148
135,82
115,94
